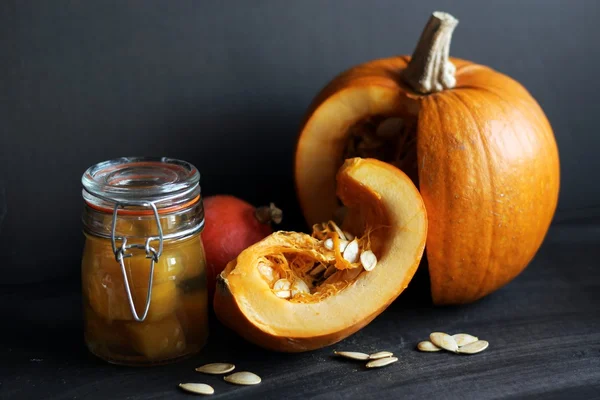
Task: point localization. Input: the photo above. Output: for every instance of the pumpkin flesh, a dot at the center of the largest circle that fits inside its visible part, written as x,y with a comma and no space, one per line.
385,212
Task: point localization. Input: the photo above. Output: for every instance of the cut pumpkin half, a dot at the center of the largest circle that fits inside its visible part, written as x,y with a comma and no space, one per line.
474,141
296,292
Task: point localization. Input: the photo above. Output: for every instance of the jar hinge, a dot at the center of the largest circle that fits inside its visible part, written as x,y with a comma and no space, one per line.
151,253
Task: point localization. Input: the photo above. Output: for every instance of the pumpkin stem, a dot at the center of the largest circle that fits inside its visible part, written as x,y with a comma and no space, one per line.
429,69
265,214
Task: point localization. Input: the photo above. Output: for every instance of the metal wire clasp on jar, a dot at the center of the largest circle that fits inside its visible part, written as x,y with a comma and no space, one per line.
143,268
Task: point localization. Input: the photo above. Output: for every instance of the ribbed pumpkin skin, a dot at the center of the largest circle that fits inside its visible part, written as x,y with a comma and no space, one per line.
488,171
489,177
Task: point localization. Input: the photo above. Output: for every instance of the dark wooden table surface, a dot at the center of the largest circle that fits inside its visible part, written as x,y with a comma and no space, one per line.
543,329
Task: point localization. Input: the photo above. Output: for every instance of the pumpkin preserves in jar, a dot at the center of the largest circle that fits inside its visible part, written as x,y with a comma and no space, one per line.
144,268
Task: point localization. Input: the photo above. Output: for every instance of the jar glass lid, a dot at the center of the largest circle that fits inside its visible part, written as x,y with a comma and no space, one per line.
132,181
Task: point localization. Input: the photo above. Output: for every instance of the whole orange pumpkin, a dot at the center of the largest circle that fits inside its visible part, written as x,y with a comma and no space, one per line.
474,141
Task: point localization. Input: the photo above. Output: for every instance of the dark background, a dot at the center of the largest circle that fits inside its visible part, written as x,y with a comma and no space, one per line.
225,84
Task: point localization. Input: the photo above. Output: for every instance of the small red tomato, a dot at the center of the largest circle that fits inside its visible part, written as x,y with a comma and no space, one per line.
232,225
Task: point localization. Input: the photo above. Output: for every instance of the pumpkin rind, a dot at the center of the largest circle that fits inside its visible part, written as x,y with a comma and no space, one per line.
489,176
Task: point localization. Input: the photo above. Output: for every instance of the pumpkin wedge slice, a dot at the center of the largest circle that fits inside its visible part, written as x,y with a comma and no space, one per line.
259,294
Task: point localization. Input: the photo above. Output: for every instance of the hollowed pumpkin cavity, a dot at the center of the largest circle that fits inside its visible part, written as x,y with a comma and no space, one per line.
311,268
392,139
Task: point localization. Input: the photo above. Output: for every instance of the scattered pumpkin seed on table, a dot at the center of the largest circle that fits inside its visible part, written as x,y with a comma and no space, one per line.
380,354
443,340
243,378
197,388
353,355
463,343
463,339
216,368
426,345
381,362
475,347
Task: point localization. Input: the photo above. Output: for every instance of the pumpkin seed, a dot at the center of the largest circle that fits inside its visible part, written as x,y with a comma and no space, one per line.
475,347
337,229
351,252
368,260
266,271
282,284
343,245
197,388
389,128
330,271
216,368
381,362
299,286
367,145
380,354
243,378
349,236
284,294
426,345
443,340
462,339
353,355
350,274
328,243
317,270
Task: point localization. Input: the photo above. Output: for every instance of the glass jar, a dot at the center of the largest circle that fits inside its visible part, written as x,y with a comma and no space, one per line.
143,269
